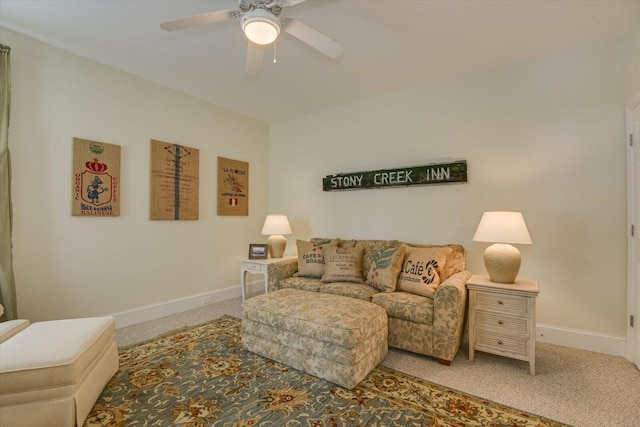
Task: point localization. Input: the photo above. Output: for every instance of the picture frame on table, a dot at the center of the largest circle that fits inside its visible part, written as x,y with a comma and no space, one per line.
258,251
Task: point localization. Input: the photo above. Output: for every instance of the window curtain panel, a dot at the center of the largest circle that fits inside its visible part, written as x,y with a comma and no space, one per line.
7,280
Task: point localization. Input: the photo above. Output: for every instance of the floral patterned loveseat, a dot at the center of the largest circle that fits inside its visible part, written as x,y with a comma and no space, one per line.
429,320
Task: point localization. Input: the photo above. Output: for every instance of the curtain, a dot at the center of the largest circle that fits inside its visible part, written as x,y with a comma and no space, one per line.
7,281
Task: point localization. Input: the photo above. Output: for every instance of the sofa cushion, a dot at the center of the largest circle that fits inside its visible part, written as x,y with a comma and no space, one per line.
352,290
62,351
335,338
385,266
322,317
11,327
52,373
406,306
421,270
310,260
342,264
303,283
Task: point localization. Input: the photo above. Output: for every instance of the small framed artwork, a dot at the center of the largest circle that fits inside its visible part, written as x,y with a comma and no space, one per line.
258,251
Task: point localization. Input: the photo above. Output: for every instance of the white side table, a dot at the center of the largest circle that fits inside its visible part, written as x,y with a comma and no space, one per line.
502,318
257,266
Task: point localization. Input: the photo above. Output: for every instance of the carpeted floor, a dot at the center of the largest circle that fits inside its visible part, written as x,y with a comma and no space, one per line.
572,386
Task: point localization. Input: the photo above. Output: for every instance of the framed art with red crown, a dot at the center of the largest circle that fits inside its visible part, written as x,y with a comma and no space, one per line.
96,178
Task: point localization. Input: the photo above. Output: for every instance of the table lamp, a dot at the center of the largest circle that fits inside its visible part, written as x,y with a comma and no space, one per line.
275,226
502,228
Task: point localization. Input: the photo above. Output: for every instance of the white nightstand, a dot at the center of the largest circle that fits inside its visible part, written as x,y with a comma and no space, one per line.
502,318
257,266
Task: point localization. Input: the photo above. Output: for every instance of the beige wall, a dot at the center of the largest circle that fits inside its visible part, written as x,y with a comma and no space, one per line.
634,63
545,137
541,137
76,266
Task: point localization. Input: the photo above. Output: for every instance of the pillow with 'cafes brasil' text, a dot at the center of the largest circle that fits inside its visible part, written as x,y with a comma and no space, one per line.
310,259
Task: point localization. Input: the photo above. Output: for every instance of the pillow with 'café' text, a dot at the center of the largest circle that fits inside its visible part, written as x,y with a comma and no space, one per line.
421,270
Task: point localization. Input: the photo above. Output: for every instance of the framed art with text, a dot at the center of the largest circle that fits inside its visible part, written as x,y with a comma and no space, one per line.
233,187
174,182
96,178
454,171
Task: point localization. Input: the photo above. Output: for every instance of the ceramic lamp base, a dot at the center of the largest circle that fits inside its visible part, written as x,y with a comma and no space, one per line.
502,262
277,245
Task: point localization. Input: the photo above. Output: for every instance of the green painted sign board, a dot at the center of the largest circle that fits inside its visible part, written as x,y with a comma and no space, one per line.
435,173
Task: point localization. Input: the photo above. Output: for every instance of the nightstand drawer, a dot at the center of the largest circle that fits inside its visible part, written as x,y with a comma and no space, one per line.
249,266
502,303
501,324
502,345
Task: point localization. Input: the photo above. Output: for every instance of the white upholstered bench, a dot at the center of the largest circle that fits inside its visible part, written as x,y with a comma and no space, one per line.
336,338
51,373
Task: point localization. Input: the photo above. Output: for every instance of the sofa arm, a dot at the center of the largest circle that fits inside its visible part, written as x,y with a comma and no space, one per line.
449,312
280,270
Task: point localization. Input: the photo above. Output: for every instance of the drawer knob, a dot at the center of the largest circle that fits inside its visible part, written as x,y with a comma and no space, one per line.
500,302
500,322
500,342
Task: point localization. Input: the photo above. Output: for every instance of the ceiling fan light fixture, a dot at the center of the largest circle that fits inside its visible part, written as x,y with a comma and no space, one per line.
261,27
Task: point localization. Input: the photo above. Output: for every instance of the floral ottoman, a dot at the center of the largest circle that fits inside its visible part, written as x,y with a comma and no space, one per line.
336,338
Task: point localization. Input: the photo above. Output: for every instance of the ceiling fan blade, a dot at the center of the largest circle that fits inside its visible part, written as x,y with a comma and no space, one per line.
313,38
205,18
289,3
255,56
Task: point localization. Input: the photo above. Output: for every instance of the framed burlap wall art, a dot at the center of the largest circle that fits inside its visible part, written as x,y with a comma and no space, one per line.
96,178
233,187
174,182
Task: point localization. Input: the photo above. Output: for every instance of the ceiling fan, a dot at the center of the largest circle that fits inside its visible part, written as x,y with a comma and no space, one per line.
261,23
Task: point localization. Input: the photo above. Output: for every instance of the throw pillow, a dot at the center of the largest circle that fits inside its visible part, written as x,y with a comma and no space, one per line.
310,260
385,266
421,270
342,265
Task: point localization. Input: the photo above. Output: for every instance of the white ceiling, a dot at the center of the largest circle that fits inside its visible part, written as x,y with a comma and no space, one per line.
389,45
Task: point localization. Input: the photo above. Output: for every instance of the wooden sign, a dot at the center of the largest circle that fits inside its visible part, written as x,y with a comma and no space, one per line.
435,173
174,182
96,178
233,187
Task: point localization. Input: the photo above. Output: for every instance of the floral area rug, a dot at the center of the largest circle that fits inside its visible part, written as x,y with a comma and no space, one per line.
203,377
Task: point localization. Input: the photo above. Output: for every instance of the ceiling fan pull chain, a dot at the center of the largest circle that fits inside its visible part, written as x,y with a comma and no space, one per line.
274,53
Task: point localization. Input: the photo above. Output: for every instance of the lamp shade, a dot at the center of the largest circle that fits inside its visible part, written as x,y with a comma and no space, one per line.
276,224
502,227
261,27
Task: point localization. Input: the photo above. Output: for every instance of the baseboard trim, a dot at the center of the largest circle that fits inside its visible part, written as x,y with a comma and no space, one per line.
167,308
585,340
576,338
